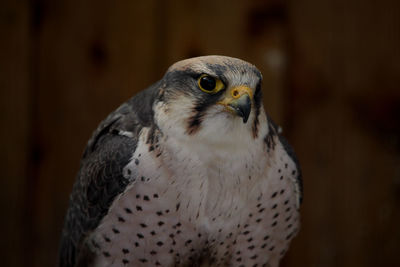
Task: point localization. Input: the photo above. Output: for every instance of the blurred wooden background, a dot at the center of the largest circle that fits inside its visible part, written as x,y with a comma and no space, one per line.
332,76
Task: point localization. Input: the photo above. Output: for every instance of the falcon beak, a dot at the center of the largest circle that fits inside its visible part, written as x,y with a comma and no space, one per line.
239,101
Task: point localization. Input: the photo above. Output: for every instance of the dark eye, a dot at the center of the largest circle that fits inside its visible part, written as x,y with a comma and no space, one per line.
207,83
210,84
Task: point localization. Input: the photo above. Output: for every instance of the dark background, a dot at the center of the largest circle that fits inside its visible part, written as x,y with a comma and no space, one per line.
331,70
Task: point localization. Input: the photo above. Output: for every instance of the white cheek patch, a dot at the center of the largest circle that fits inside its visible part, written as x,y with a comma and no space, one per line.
172,117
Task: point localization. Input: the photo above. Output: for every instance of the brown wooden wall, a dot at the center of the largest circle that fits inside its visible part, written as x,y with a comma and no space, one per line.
332,76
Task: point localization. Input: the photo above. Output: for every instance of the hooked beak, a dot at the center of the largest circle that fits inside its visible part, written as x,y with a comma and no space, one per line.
242,106
239,102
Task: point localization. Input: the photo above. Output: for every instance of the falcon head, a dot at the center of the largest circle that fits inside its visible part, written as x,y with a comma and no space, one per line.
212,99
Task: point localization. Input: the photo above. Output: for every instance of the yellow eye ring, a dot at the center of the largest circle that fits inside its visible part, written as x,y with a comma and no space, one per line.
210,84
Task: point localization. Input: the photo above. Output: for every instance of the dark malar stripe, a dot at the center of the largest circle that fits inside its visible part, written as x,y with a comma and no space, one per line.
194,121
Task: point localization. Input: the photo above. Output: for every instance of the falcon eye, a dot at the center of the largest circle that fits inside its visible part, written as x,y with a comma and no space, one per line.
210,84
207,83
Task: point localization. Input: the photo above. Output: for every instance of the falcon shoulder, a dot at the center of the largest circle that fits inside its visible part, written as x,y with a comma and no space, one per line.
100,178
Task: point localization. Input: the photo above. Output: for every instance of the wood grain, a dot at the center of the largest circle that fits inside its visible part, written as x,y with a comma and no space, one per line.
331,79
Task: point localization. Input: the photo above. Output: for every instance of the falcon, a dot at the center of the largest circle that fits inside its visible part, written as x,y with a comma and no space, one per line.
189,172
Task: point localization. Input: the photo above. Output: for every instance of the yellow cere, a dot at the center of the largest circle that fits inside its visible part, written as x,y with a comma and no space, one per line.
235,93
238,91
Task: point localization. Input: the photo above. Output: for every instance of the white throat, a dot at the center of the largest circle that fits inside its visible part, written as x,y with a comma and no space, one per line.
222,158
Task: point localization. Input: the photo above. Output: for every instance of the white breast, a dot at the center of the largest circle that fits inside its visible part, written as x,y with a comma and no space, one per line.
211,190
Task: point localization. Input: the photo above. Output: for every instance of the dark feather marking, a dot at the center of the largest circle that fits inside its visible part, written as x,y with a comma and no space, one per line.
203,102
257,73
257,106
194,123
153,137
269,139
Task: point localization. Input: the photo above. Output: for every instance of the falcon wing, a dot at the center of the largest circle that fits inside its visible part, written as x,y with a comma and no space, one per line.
100,178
